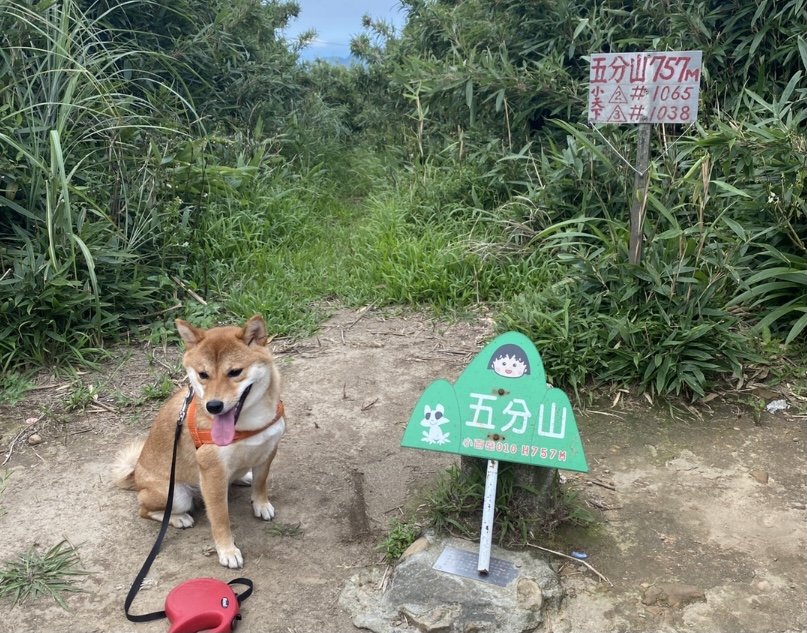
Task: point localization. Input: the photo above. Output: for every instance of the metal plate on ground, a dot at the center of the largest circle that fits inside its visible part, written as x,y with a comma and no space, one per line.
462,563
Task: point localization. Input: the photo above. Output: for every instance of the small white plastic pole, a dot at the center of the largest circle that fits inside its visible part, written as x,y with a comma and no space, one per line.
486,537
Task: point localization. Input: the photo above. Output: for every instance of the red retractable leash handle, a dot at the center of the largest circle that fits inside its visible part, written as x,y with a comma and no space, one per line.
204,604
198,604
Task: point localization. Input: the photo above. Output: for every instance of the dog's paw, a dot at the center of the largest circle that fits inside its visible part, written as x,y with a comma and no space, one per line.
246,480
265,510
181,521
230,557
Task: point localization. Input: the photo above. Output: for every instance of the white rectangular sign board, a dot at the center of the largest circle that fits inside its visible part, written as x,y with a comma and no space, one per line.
648,87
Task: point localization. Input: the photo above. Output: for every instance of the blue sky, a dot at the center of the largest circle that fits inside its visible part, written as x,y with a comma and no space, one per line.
336,21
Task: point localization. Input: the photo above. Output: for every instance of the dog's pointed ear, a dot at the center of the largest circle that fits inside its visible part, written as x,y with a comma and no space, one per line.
189,333
255,332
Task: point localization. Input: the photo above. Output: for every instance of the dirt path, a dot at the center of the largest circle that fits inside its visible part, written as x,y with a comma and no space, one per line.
683,502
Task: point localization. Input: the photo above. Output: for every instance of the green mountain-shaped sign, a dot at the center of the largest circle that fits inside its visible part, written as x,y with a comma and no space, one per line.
499,408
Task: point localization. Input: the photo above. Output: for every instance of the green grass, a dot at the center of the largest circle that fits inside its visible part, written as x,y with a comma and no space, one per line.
279,254
3,482
453,506
13,387
299,251
291,530
160,390
400,536
80,396
404,262
34,573
292,253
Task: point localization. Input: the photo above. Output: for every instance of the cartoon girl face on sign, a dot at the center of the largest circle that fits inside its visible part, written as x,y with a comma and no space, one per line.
509,361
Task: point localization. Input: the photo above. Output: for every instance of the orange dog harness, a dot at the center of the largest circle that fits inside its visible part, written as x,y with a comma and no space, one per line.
203,436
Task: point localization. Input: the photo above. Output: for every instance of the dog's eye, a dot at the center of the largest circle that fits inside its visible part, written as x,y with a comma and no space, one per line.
233,373
203,375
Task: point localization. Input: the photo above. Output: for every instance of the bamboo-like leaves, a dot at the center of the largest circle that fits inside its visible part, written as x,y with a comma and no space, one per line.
66,108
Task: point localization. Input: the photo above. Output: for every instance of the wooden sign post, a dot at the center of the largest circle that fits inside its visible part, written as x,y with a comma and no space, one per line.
641,181
500,408
643,88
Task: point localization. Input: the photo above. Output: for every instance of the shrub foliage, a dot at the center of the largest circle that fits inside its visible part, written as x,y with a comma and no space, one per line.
150,148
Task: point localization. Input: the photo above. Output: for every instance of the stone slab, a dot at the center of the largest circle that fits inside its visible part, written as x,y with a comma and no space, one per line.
418,598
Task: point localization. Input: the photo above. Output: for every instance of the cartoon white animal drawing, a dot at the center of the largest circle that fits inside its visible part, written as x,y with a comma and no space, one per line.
434,420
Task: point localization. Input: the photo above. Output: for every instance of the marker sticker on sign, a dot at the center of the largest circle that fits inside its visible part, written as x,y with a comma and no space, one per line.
500,408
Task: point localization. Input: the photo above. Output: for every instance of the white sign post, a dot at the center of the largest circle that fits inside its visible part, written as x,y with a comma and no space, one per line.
488,506
643,88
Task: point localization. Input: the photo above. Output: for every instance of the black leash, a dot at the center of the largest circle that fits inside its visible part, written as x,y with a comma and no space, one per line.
155,549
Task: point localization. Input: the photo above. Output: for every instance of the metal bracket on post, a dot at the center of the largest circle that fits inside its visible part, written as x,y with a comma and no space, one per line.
489,503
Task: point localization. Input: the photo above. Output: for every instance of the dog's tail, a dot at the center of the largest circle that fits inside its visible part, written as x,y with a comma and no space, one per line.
123,469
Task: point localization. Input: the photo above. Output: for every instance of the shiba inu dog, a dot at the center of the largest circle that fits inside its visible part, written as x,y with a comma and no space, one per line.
231,433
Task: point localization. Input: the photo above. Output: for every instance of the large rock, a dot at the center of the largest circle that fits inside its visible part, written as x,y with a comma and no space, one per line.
418,598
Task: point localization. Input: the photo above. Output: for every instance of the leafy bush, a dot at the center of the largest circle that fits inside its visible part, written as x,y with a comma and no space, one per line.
99,188
660,326
765,155
499,70
228,57
725,231
151,147
670,325
77,238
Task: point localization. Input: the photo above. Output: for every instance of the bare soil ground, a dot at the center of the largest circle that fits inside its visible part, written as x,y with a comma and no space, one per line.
715,500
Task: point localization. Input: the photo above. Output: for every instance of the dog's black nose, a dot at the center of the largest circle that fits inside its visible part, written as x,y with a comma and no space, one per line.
214,406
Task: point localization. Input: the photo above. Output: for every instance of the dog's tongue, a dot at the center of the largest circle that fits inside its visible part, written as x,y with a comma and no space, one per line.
223,429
